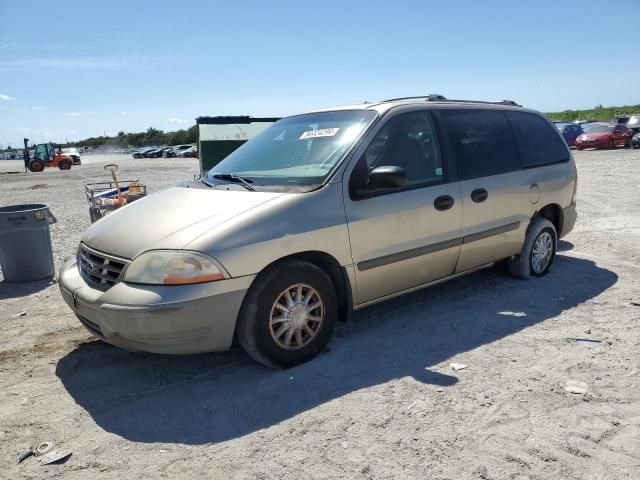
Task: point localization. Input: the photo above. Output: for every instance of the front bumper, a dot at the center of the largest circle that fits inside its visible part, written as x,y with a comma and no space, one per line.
179,319
592,143
569,218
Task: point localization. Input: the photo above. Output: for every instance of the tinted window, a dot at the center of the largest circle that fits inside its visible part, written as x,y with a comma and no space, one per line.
482,142
539,144
408,141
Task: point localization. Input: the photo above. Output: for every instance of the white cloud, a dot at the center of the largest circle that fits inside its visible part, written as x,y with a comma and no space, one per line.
72,114
123,112
21,109
37,108
6,97
89,113
178,120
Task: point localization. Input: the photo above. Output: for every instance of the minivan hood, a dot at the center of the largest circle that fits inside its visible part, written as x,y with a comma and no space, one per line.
169,219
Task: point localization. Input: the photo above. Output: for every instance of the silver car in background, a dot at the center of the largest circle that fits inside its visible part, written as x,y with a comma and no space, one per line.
321,214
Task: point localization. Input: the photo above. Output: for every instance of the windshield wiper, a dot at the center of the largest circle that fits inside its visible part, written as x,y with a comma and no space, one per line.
202,180
230,177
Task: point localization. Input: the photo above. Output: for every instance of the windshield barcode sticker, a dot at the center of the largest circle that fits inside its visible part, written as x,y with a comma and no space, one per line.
323,132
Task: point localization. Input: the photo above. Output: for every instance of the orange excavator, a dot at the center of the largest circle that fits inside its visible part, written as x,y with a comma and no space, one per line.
45,156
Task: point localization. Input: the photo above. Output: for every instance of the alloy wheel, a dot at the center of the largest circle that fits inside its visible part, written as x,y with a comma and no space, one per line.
296,316
542,252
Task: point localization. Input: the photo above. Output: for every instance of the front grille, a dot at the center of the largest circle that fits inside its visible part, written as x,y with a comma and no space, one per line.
101,270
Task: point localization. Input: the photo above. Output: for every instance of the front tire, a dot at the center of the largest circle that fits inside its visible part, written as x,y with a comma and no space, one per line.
288,314
538,251
36,166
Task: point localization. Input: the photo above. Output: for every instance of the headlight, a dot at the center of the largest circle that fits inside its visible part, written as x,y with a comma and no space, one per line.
162,267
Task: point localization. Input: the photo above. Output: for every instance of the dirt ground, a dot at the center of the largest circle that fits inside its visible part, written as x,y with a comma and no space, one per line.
381,402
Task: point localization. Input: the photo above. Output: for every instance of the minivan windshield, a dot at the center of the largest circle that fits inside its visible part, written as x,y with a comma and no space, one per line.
297,151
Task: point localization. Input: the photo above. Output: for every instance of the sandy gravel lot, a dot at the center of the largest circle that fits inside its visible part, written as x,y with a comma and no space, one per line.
381,401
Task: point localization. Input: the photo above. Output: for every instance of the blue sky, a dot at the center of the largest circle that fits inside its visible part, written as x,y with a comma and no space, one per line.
72,69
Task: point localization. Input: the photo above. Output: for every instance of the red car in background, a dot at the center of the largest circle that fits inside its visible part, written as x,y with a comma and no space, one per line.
602,135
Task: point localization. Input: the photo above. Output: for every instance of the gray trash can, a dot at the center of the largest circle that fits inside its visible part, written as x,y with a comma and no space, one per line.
25,242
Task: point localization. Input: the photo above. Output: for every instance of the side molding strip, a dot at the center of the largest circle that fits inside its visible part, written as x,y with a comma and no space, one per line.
491,232
407,254
435,247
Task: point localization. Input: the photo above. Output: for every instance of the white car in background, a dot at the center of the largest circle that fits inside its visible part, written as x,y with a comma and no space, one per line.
73,153
190,152
177,150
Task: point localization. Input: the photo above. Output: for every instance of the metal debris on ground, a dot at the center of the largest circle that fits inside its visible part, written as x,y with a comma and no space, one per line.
43,448
573,386
513,314
54,457
24,455
457,366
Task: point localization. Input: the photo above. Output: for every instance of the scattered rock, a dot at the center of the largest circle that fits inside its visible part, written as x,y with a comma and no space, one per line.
573,386
439,389
20,314
588,331
513,314
635,304
457,366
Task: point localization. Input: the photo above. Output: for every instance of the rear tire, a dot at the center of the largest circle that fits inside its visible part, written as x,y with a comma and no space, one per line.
538,251
64,165
293,303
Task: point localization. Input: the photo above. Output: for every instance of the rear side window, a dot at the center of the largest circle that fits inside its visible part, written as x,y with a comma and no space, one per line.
539,143
482,142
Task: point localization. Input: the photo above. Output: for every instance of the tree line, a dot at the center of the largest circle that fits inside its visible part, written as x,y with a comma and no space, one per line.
152,136
599,113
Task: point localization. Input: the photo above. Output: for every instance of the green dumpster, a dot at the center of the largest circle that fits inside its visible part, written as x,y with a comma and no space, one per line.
219,136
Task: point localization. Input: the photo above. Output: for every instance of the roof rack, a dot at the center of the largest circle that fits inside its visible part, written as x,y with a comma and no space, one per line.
432,97
435,97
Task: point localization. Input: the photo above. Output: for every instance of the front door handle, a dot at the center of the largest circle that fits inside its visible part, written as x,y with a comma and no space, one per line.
444,202
479,195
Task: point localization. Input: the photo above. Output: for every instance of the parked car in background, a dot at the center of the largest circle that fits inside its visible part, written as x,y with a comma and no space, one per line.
189,153
631,121
569,131
177,149
604,135
635,141
74,153
142,153
320,214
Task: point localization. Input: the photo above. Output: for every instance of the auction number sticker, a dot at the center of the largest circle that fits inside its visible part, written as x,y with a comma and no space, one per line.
322,132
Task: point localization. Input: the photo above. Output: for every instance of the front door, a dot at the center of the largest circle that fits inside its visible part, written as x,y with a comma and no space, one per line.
403,237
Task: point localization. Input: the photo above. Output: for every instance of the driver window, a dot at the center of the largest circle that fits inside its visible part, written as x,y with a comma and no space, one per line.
409,141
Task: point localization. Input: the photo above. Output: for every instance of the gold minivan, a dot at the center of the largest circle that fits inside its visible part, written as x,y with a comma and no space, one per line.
320,214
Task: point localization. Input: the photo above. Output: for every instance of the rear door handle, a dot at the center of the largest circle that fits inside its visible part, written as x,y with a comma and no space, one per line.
479,195
444,202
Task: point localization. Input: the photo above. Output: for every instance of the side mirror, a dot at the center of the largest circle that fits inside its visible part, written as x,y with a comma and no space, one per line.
387,177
